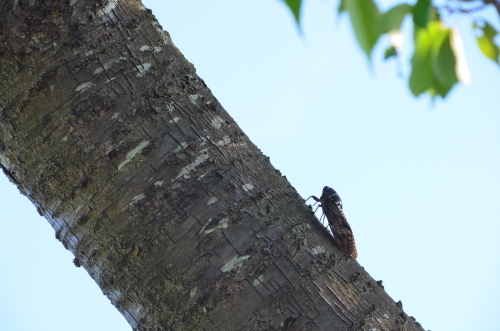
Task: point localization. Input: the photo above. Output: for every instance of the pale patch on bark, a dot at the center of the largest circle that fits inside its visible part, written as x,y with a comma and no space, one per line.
174,120
204,141
110,80
145,48
170,108
133,153
193,98
137,198
108,65
221,225
258,281
318,249
187,169
158,183
166,39
200,177
247,187
82,87
193,291
225,140
77,209
235,263
5,161
109,7
212,200
204,226
217,122
143,69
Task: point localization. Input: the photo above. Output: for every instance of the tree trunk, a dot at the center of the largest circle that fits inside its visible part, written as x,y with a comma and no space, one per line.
182,222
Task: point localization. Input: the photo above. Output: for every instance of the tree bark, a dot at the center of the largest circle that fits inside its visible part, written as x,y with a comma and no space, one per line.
182,222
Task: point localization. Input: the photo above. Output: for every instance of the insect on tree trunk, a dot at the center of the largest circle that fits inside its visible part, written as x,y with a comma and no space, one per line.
181,221
341,230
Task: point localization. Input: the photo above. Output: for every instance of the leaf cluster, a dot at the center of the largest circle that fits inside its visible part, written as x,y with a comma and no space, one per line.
438,62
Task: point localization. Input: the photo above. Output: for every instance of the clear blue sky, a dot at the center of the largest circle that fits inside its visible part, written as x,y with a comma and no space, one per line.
420,183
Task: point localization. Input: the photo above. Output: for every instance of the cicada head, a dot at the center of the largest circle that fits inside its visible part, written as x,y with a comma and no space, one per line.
330,192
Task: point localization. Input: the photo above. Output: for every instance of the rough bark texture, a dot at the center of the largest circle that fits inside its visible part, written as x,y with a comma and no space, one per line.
182,222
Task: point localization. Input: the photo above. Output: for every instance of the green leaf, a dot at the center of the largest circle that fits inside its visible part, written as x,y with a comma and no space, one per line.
438,62
486,41
392,19
445,64
364,16
421,72
294,6
342,7
443,56
441,89
390,52
488,48
423,13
